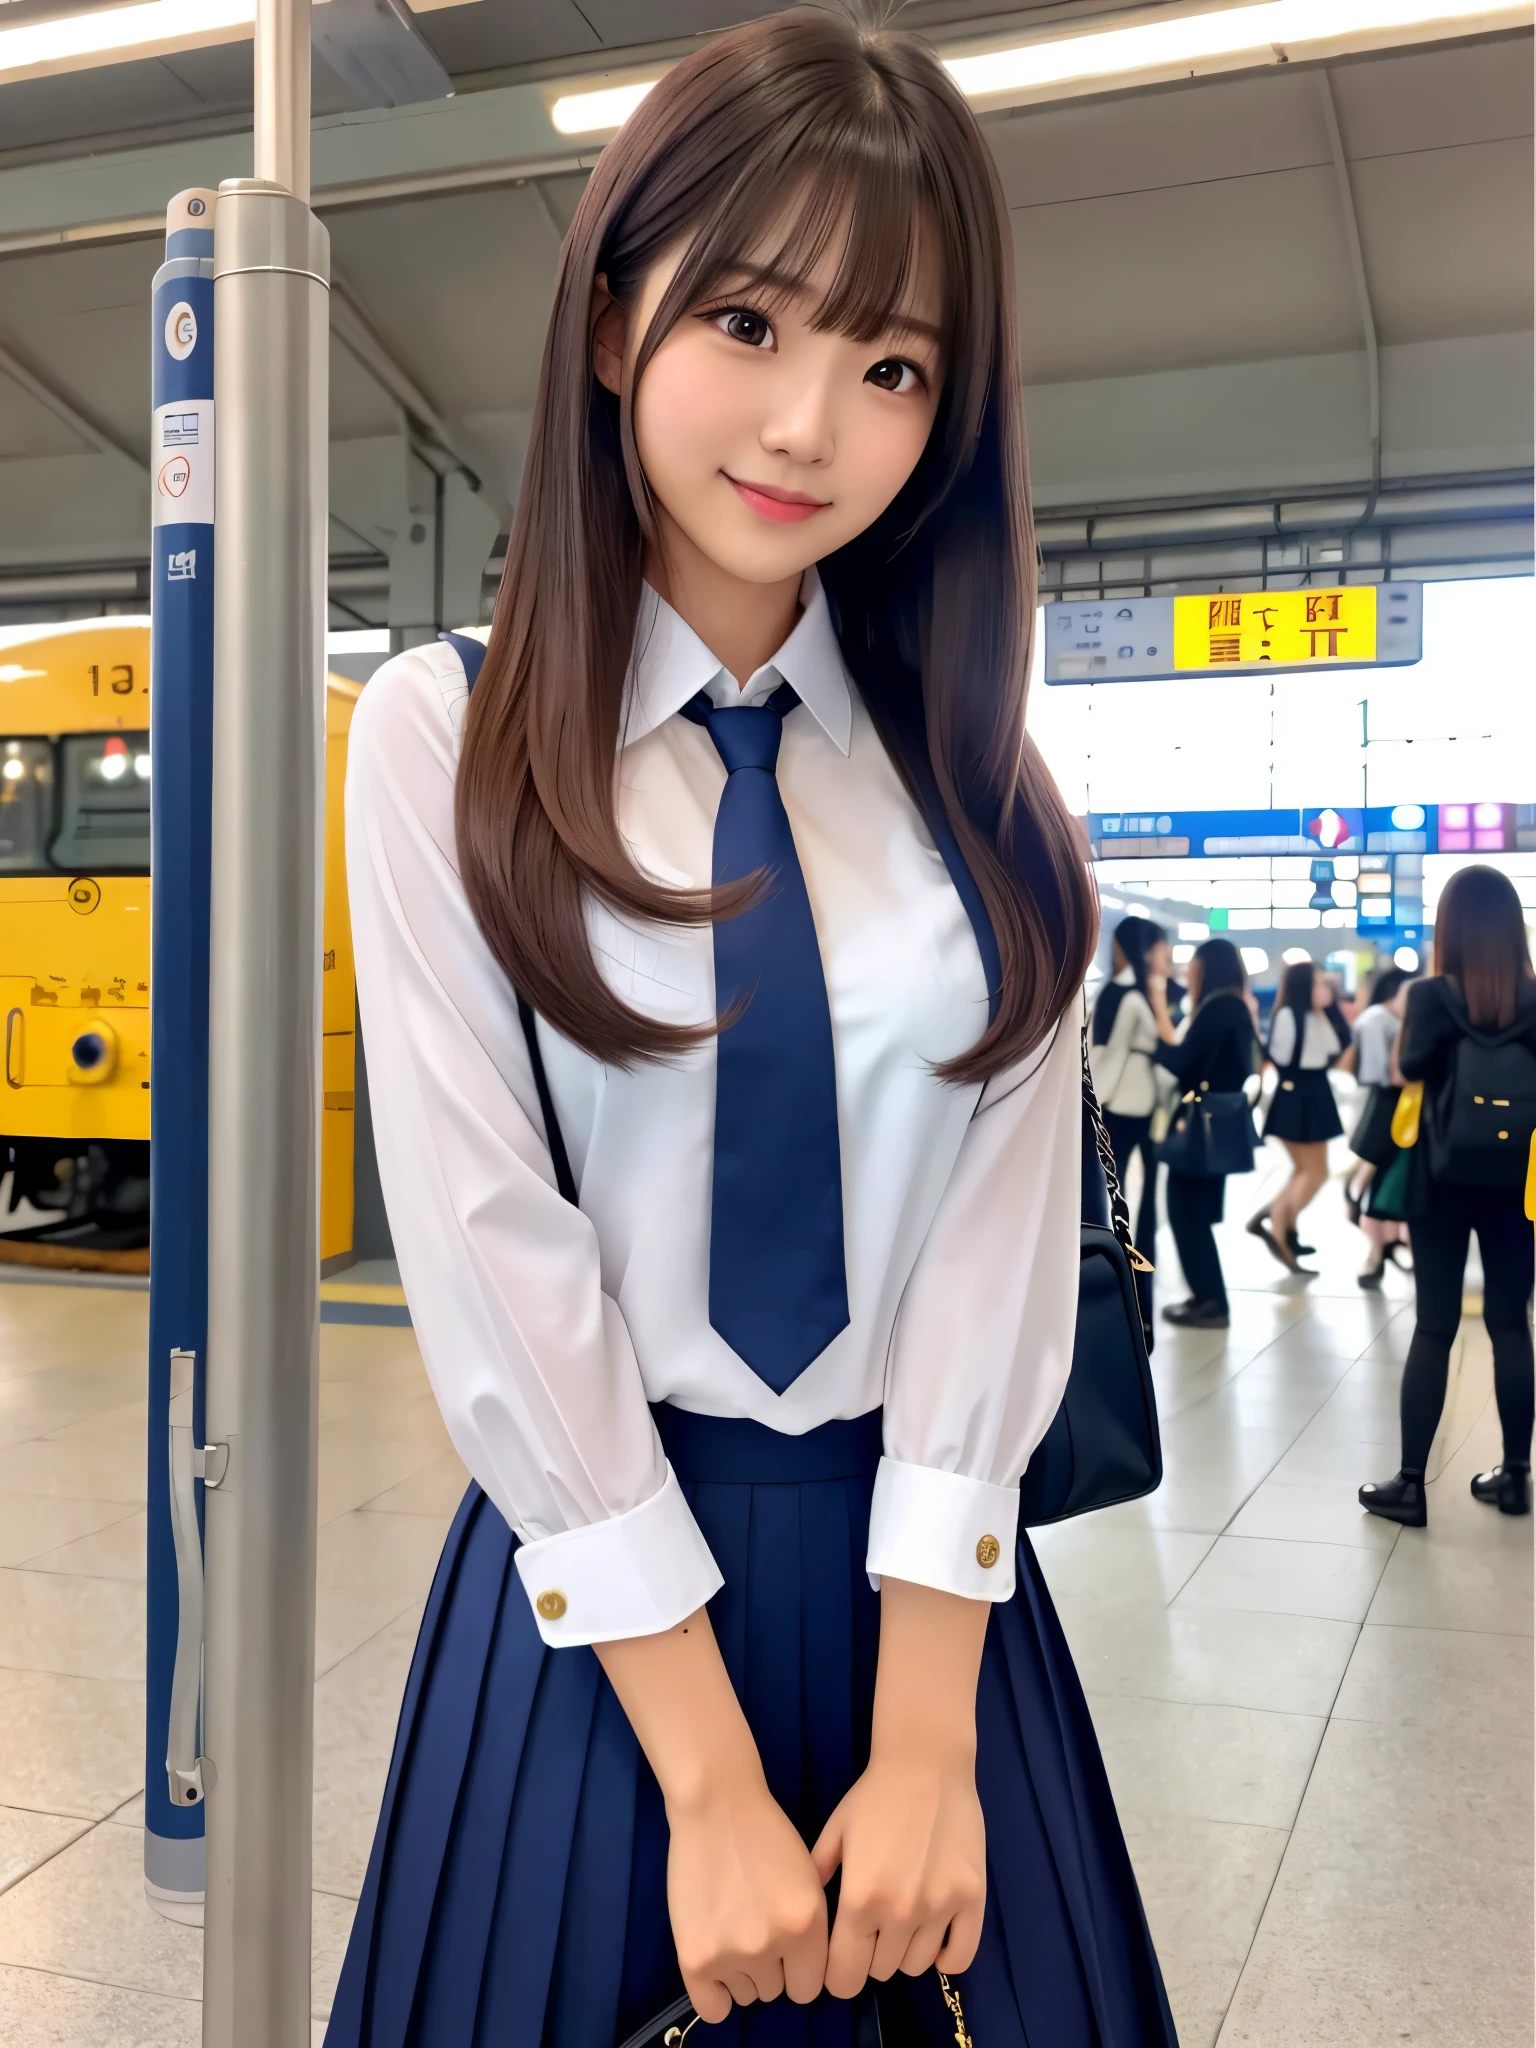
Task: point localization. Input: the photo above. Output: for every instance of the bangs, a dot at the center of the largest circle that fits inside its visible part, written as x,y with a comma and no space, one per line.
875,218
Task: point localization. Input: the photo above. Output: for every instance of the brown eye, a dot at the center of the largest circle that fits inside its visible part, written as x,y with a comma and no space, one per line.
742,324
892,374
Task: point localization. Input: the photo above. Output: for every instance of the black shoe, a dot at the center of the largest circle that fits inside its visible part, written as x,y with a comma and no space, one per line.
1506,1487
1397,1500
1302,1251
1399,1254
1198,1315
1371,1277
1259,1227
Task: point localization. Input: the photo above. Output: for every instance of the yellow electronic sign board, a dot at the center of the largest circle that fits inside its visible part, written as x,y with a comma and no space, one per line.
1291,628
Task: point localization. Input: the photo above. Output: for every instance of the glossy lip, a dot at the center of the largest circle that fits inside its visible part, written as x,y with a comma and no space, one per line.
784,507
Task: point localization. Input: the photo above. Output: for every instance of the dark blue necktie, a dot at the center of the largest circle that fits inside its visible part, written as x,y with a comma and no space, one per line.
778,1291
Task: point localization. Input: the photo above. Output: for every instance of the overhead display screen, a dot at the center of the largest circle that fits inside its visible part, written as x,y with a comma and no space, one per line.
1142,639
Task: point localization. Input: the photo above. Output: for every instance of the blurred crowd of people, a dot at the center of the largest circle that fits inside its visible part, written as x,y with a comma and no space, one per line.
1442,1144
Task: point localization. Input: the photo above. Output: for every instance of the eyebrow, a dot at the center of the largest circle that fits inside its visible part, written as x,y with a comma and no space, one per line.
776,280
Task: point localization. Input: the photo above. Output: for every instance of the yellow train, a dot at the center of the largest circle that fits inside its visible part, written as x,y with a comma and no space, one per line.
74,950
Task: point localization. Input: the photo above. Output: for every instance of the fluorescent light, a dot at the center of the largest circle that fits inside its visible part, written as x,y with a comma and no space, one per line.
106,32
589,113
1257,32
1262,31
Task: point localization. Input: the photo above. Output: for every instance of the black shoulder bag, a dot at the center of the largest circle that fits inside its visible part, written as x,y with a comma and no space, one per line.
1102,1446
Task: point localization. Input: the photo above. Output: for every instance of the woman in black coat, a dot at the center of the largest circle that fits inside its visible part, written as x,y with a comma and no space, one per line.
1216,1052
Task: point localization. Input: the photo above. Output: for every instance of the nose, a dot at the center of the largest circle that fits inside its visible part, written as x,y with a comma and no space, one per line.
800,422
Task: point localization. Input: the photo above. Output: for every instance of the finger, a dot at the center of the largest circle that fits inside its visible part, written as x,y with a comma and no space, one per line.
849,1954
768,1976
959,1951
828,1852
711,2000
890,1947
805,1964
922,1950
741,1987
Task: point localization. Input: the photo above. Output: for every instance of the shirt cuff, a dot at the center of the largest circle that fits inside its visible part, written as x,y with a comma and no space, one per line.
635,1575
942,1530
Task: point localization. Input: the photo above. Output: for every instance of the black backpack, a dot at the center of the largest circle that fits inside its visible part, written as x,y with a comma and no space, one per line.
1483,1117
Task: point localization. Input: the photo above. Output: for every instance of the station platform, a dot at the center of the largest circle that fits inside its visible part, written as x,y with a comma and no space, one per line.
1317,1725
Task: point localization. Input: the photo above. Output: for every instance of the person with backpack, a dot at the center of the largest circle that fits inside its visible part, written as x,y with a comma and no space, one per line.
1124,1041
1470,1038
1211,1060
1306,1035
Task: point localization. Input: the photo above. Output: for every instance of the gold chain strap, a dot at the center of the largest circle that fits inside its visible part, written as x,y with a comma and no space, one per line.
674,2037
952,2000
1119,1213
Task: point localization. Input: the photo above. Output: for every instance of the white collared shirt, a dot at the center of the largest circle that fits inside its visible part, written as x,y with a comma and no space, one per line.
546,1329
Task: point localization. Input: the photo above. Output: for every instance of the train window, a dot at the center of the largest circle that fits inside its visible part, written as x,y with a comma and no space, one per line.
104,802
26,805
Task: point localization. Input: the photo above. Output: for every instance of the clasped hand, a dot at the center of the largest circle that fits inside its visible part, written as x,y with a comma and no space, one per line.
748,1904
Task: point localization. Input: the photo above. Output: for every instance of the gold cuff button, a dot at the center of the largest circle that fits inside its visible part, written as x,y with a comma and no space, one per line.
988,1551
551,1606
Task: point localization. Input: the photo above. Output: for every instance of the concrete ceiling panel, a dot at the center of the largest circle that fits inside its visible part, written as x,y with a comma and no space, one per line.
1241,270
359,409
461,286
495,33
1435,99
82,316
1447,237
27,427
1189,135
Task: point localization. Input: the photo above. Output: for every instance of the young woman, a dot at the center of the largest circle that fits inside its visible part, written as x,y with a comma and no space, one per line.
1124,1042
1369,1058
1306,1035
1482,991
743,808
1214,1050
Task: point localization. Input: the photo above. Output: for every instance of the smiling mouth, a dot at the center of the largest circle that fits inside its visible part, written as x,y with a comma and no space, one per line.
769,502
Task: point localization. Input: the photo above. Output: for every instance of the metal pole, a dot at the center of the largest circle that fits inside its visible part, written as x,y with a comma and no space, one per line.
271,262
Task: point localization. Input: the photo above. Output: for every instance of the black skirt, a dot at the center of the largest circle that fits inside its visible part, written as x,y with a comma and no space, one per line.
516,1895
1304,1109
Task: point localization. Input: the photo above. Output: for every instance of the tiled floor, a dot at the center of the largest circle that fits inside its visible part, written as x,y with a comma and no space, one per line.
1318,1727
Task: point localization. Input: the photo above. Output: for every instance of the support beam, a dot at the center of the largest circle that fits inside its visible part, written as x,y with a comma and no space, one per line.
74,416
354,327
1362,283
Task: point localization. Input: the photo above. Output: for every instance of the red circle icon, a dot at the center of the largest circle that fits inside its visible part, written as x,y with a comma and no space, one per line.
175,475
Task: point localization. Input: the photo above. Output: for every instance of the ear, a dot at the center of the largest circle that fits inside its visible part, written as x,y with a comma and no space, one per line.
609,328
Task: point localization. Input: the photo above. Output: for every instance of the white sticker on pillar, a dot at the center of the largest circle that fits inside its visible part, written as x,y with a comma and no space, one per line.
182,462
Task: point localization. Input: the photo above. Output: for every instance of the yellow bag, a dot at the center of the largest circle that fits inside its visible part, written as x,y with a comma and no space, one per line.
1405,1118
1530,1182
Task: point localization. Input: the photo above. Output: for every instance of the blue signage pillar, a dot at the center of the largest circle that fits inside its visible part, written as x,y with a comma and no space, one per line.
181,749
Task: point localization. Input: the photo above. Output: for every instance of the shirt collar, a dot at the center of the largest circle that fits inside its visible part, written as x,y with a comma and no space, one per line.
670,664
1126,978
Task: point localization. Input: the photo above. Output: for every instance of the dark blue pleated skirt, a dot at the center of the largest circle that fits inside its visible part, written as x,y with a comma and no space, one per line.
516,1893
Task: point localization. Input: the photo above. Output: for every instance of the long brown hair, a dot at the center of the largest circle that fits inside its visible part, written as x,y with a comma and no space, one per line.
800,128
1480,944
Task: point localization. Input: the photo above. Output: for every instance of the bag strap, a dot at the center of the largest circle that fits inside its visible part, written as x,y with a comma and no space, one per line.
471,653
1119,1214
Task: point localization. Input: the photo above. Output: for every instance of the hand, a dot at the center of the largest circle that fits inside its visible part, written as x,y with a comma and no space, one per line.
912,1845
1157,989
749,1916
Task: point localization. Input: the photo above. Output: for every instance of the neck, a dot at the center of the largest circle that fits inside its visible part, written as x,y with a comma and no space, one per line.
742,624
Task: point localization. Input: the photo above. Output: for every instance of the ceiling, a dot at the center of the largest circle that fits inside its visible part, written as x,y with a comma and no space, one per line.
1191,322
